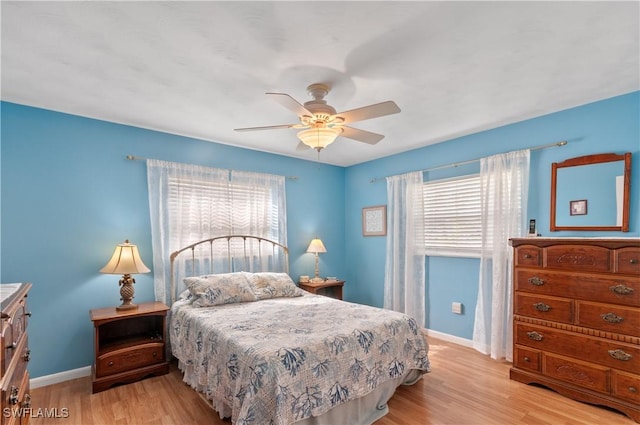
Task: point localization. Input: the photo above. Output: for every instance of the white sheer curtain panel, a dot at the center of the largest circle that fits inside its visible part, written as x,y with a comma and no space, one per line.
504,181
189,203
404,280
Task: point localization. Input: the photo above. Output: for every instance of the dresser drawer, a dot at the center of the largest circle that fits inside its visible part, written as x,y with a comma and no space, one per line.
17,385
544,307
609,317
626,386
628,260
583,374
597,350
14,327
613,289
527,255
577,258
526,358
129,358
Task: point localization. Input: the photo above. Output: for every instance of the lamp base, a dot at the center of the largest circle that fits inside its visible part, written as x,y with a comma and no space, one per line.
126,307
126,293
317,280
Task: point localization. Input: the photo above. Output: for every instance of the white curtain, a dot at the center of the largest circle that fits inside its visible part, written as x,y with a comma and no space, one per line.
404,280
504,181
189,203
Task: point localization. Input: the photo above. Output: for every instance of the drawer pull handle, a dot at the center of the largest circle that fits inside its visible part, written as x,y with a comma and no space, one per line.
13,397
611,318
527,359
527,256
542,307
536,281
534,336
27,356
12,345
620,355
633,390
28,314
26,403
110,363
621,289
155,354
634,261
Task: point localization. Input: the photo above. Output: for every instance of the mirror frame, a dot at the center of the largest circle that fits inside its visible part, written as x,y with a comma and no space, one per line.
588,160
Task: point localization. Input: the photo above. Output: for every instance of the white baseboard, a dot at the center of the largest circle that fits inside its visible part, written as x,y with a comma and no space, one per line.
450,338
56,378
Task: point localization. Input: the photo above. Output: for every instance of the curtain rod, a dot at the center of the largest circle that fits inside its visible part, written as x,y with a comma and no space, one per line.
471,161
139,158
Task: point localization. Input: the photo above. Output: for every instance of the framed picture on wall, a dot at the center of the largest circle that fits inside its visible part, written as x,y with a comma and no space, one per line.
578,207
374,220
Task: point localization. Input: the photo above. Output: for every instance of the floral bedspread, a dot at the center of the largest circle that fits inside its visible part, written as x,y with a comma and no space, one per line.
278,361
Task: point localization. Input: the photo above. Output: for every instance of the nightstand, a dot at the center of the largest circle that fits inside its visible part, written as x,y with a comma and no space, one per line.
330,288
129,345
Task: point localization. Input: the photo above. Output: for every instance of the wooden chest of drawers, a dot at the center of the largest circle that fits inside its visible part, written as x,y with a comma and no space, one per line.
577,318
15,401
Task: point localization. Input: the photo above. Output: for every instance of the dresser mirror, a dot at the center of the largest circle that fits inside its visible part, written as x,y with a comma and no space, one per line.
591,193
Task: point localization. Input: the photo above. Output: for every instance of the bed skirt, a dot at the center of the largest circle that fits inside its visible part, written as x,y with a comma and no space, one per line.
361,411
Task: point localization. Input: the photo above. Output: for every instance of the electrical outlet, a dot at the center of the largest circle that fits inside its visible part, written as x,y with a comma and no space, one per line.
456,308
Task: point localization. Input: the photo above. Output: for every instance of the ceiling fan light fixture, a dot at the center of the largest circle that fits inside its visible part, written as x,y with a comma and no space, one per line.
319,138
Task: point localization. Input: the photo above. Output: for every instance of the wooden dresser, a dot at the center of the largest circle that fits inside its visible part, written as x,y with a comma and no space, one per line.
577,318
14,355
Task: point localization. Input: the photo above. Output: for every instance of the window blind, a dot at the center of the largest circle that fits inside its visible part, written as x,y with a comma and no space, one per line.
452,219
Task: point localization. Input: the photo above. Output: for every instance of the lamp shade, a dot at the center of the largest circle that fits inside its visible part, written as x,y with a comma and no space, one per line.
125,260
319,138
316,246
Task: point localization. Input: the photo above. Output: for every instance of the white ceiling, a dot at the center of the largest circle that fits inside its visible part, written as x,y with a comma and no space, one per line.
201,69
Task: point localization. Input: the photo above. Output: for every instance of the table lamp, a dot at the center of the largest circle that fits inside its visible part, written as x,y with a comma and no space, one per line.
126,261
316,246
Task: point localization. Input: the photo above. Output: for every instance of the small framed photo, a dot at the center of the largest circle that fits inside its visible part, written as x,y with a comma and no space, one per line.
374,221
578,207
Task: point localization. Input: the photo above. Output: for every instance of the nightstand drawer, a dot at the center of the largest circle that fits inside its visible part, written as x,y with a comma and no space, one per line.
129,358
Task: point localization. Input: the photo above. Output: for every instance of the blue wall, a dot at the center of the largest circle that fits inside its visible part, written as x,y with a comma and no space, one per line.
611,125
69,196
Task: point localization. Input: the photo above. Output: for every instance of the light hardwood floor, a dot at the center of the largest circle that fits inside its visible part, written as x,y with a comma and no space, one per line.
463,388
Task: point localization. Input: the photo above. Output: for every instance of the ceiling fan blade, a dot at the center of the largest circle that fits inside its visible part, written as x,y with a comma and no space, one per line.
269,127
361,135
291,104
367,112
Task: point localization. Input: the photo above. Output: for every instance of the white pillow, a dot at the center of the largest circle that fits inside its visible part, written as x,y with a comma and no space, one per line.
218,289
273,285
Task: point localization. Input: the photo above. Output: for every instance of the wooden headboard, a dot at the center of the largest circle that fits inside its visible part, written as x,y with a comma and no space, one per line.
226,254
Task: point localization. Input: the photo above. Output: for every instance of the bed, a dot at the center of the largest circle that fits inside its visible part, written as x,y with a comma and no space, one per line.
263,351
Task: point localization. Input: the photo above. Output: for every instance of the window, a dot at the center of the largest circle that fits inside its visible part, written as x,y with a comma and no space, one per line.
201,208
190,203
452,218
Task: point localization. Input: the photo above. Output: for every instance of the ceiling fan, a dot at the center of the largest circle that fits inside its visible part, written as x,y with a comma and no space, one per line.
320,123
